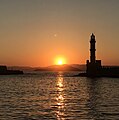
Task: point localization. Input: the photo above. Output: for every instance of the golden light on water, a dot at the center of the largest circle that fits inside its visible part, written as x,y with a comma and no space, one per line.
60,84
60,97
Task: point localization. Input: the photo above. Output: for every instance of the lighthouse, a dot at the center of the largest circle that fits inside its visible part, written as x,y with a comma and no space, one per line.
93,65
92,48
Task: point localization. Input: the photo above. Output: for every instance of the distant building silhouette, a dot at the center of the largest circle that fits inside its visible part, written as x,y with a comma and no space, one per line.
4,71
93,66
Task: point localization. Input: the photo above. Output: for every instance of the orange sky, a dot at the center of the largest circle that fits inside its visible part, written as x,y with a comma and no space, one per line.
35,33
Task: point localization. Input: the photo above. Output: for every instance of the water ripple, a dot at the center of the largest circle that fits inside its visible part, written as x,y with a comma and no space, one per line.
35,97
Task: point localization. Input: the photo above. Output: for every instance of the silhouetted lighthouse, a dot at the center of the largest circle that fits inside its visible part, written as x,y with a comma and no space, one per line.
92,48
93,66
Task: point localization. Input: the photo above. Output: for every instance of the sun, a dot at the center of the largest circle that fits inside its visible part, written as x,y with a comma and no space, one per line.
60,61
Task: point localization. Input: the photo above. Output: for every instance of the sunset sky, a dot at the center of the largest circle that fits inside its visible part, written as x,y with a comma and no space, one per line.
38,32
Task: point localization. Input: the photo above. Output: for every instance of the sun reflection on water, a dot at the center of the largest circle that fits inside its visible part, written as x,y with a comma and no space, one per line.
60,84
60,97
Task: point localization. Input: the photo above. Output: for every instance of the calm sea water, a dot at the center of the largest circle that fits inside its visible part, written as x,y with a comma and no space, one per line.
51,96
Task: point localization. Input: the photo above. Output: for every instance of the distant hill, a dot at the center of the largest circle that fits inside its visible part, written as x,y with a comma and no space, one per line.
23,68
65,67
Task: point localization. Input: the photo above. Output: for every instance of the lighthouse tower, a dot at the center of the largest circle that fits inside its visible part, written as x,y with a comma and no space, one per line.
93,66
92,49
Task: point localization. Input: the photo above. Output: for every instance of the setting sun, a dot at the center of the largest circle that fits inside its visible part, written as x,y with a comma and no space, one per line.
60,61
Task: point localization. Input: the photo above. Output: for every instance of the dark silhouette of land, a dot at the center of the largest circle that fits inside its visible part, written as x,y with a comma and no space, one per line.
94,67
65,67
5,71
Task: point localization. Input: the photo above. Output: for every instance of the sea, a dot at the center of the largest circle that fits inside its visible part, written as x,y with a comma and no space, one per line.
58,96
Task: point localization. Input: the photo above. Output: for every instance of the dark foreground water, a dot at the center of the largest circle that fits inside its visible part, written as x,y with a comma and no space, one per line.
50,96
